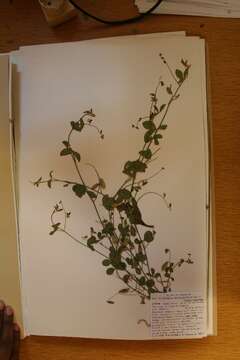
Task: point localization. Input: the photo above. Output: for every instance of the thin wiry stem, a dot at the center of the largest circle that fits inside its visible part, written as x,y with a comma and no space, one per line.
63,181
80,242
154,193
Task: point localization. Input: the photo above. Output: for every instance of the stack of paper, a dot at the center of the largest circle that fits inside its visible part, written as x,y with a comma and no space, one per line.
112,188
215,8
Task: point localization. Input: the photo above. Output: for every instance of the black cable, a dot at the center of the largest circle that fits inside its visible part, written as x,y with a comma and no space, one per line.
116,22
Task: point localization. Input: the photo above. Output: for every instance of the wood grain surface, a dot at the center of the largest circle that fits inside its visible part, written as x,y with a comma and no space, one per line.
22,23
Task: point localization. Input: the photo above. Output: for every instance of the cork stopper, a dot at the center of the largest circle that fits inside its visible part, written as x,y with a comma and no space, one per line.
57,11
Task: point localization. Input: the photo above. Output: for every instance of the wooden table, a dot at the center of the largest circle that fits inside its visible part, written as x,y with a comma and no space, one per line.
23,23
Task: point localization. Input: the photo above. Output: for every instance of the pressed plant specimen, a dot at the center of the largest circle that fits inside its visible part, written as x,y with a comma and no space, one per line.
121,237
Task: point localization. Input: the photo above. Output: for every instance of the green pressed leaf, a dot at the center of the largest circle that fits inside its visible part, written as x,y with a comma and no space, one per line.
163,127
148,236
123,194
153,97
131,168
148,136
162,107
121,249
140,257
149,125
76,155
121,266
110,271
124,230
116,259
147,154
152,290
66,143
79,189
184,62
165,265
169,90
150,283
77,125
92,194
108,229
55,228
156,138
106,262
91,241
126,278
137,241
107,202
89,113
81,124
110,302
179,75
123,291
142,280
66,151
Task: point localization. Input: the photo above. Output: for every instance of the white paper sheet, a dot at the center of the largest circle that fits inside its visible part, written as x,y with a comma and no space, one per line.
63,282
214,8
